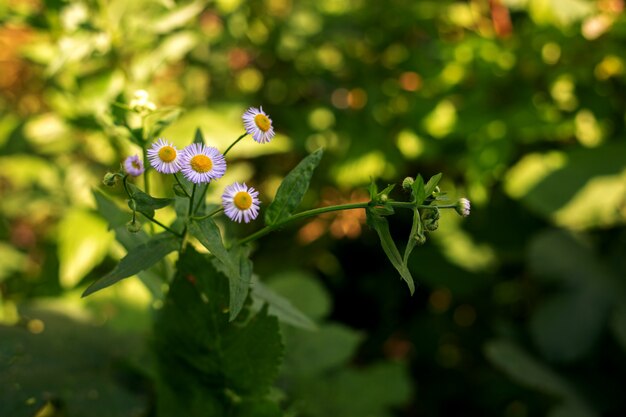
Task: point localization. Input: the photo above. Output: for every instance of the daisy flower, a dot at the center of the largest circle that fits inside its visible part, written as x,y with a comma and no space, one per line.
133,166
258,124
241,202
164,157
463,207
200,163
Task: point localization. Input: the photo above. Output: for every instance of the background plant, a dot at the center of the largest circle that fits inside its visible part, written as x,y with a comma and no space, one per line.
527,116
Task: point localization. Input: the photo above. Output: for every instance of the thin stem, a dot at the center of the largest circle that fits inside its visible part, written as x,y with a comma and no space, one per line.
201,199
321,210
302,215
211,214
193,193
181,185
155,221
234,143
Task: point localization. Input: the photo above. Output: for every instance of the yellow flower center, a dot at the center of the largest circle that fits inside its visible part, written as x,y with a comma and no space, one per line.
242,200
263,122
201,163
136,164
167,154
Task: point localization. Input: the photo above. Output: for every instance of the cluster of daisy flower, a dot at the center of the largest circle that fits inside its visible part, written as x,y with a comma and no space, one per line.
200,164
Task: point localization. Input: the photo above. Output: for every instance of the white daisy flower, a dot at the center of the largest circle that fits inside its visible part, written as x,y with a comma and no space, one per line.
258,125
241,202
164,157
463,207
200,163
133,166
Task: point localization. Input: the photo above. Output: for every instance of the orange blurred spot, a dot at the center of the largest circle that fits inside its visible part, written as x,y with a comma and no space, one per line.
440,300
339,98
410,81
238,58
357,98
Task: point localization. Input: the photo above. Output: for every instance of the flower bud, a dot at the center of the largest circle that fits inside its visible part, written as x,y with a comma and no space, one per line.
463,207
383,198
110,179
407,183
133,226
420,239
430,219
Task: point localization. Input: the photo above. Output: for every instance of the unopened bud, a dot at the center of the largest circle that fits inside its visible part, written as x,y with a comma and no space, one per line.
407,183
420,239
133,226
383,198
463,207
110,179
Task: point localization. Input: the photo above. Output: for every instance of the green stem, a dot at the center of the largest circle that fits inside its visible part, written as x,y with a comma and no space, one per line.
321,210
181,185
155,221
302,215
234,143
211,214
193,193
201,199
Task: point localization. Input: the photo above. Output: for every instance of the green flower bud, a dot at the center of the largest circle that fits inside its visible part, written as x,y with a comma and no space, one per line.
463,207
407,183
133,226
110,179
420,239
430,219
383,198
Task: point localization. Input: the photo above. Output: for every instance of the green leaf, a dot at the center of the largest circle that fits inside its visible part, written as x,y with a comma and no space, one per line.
111,212
234,263
69,362
83,243
304,291
176,18
157,121
432,184
281,307
313,353
145,203
418,191
416,232
204,360
292,189
381,226
137,260
528,371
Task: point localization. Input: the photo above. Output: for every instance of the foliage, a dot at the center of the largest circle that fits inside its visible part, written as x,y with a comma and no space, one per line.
520,310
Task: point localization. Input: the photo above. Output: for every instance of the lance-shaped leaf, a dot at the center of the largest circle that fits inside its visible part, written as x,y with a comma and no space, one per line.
432,184
136,260
235,263
292,189
418,191
145,203
281,307
381,226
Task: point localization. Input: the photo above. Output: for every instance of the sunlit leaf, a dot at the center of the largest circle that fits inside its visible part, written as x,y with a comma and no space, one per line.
83,243
138,259
292,189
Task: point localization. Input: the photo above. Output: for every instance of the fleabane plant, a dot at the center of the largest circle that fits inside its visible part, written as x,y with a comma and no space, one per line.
216,350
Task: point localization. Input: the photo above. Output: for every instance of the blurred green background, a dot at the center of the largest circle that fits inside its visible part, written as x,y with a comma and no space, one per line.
521,308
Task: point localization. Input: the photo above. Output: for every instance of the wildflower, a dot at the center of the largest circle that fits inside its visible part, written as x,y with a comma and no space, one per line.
164,157
110,179
200,163
241,202
140,102
407,183
133,166
258,124
463,207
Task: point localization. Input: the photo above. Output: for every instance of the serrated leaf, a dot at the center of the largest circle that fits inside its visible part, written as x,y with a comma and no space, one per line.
145,203
432,184
234,263
138,259
201,355
281,307
292,189
381,226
